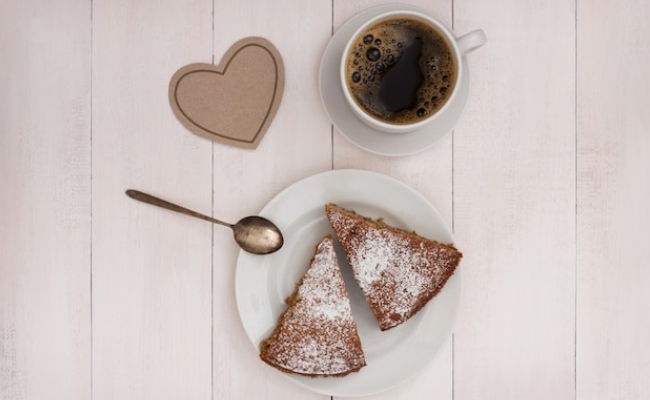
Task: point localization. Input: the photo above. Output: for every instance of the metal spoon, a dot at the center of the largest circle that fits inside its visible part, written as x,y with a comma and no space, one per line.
254,234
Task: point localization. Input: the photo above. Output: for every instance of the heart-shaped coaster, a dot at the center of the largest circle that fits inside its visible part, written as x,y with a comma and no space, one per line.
234,102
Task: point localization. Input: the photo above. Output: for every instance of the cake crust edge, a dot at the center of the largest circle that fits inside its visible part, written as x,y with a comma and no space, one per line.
379,224
290,301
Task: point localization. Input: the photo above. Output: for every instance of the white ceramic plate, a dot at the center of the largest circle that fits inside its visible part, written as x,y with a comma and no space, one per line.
263,282
351,127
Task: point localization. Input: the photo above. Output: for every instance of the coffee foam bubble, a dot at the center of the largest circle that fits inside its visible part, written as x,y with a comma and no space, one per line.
380,48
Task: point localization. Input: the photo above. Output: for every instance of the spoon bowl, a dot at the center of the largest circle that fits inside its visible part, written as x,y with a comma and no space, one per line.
258,235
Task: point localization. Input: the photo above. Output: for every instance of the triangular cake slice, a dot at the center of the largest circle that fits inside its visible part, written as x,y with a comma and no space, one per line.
398,271
316,335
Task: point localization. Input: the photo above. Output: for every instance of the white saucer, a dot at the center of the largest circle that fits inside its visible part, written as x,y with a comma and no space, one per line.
263,282
387,144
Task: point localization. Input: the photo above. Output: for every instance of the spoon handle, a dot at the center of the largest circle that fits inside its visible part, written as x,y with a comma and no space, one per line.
155,201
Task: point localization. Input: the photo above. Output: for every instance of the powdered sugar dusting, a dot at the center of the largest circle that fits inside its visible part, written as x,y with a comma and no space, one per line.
397,271
317,335
318,298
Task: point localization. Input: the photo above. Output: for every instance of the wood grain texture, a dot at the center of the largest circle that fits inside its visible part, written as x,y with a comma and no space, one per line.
151,267
297,144
555,305
613,303
514,203
45,200
429,172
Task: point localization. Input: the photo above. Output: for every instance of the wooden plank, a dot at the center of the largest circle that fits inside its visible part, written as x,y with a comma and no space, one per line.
429,172
151,267
45,200
514,203
298,144
613,325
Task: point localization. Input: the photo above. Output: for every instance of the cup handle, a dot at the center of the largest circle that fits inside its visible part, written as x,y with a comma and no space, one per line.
471,41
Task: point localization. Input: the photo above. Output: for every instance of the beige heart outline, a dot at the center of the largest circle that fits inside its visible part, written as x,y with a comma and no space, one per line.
234,102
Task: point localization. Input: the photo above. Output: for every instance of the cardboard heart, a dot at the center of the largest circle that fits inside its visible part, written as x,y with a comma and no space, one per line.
234,102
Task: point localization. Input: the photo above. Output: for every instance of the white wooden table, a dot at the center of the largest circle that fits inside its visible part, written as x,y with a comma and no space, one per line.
546,182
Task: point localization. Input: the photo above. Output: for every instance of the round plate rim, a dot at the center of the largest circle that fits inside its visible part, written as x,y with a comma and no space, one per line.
457,275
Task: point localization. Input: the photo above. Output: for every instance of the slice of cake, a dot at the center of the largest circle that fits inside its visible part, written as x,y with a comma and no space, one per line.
398,271
317,336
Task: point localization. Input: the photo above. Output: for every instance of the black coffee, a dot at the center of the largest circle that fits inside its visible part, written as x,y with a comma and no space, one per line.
400,71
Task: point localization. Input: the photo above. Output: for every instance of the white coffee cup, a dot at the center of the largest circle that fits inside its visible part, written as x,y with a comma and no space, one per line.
459,48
